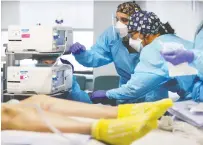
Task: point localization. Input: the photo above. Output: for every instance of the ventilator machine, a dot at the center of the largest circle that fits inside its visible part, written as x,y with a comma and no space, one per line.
39,41
39,38
44,80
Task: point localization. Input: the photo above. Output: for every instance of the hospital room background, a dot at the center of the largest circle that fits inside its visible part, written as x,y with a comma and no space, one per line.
88,20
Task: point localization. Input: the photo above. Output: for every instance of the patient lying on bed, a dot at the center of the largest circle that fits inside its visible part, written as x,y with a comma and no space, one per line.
115,125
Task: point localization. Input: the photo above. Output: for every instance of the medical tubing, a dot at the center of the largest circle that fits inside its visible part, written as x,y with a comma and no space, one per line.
50,126
59,57
56,63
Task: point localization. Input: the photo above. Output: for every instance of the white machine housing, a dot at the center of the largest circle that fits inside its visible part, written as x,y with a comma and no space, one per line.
40,80
39,38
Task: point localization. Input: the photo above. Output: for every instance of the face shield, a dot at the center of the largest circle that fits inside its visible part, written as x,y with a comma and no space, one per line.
119,27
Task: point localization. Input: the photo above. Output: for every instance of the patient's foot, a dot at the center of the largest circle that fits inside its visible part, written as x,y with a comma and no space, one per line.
123,131
140,108
141,119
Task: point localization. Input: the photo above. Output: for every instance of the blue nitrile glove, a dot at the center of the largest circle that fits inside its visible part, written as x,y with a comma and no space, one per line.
99,94
178,56
100,97
77,48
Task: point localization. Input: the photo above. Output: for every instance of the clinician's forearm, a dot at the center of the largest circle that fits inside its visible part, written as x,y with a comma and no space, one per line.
85,59
21,117
137,87
198,61
93,58
121,93
72,108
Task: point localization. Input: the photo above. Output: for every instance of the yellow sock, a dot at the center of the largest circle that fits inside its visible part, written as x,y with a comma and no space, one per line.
123,131
140,108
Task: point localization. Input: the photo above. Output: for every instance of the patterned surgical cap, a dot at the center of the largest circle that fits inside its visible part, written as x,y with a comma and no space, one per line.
128,8
145,23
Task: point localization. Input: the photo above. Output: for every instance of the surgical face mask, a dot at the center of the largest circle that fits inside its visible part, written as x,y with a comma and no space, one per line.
136,44
121,29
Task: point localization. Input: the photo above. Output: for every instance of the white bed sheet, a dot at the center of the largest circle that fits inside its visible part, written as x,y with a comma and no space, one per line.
157,137
160,137
35,138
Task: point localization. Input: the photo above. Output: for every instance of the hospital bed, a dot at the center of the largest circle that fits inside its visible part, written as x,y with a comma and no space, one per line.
156,137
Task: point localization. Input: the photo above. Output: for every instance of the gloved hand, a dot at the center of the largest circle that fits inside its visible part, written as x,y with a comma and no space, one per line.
99,94
178,56
77,48
142,108
67,62
100,97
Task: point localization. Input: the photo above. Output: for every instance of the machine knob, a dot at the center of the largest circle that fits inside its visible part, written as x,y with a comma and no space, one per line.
56,35
59,21
54,77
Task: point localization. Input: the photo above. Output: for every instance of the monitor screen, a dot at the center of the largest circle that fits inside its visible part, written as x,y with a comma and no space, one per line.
61,37
60,78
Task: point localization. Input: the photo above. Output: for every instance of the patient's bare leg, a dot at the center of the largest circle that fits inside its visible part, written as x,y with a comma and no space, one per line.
72,108
19,117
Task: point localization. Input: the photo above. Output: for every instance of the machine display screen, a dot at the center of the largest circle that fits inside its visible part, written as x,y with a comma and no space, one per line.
60,78
61,37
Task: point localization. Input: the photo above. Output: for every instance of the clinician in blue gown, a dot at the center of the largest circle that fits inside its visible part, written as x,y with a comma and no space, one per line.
146,32
195,58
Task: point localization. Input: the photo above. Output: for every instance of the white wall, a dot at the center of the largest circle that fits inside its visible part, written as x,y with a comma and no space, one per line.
180,15
10,13
77,14
103,11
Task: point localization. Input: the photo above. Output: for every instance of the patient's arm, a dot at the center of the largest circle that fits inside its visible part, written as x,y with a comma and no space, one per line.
72,108
21,117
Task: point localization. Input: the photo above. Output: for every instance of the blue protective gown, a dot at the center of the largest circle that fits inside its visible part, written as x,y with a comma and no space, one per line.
197,92
198,51
77,94
109,48
152,72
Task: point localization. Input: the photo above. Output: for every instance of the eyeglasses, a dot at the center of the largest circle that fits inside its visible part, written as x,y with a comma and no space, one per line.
131,33
122,19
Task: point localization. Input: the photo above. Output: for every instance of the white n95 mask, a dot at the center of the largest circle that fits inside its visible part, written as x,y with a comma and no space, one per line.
121,29
136,44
